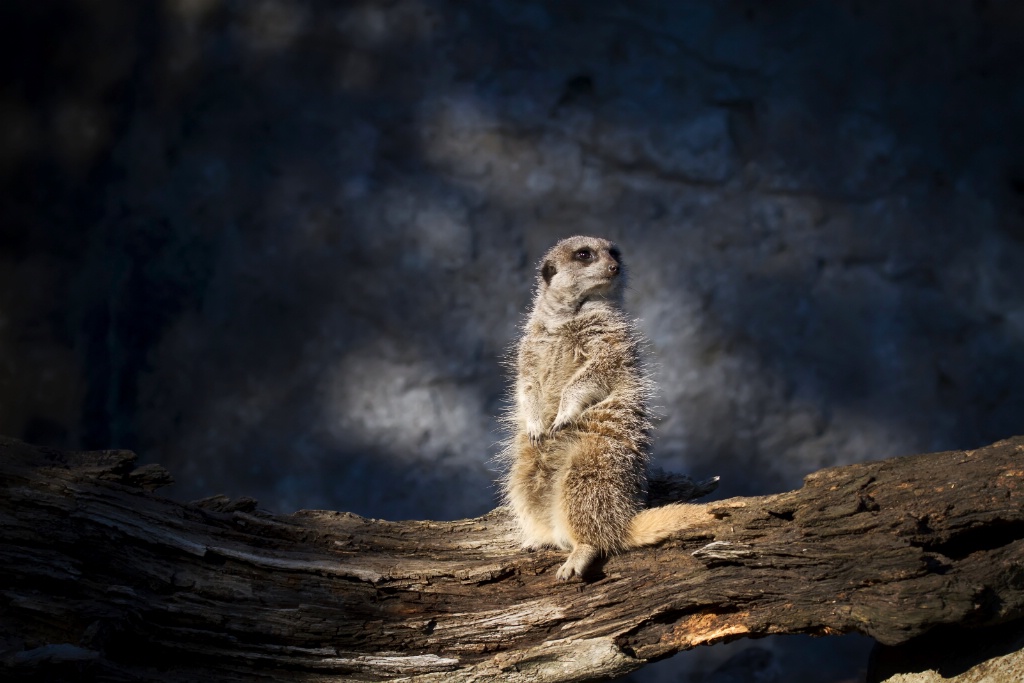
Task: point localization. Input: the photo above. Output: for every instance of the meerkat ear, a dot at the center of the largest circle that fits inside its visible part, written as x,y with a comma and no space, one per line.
548,271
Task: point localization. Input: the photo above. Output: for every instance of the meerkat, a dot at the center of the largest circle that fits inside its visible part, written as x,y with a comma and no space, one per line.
579,453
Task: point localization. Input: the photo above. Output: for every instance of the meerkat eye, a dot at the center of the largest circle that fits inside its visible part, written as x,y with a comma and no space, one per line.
583,255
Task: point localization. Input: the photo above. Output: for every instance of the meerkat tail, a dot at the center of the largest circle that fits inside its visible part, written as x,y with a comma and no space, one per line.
656,524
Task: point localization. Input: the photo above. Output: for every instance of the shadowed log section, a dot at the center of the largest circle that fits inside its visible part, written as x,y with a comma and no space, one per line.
101,578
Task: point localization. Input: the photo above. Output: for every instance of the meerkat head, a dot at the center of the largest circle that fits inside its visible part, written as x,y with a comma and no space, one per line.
578,269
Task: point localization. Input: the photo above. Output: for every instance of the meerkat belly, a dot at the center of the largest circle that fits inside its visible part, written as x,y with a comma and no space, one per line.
614,418
540,496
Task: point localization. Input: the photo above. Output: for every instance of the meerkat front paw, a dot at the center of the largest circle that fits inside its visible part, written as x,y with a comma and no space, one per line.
535,431
560,423
578,561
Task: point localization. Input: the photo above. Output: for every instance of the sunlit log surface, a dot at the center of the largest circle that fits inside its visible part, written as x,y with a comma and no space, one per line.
102,578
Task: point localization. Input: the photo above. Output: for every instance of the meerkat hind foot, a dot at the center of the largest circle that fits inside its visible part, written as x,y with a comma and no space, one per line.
579,560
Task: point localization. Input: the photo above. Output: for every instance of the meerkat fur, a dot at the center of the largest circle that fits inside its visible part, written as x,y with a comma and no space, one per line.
581,434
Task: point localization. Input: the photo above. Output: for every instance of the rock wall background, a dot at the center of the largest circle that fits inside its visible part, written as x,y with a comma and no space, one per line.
281,247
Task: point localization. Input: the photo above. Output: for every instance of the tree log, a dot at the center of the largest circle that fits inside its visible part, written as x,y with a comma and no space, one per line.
102,578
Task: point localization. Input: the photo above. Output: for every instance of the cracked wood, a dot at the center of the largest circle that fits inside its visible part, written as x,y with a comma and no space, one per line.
101,577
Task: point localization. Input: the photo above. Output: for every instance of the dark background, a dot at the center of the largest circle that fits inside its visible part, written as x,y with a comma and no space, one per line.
281,247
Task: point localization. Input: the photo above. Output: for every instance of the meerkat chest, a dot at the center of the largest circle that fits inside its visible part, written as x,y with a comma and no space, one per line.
558,356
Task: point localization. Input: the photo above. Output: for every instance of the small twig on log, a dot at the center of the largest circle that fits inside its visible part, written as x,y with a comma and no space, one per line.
99,577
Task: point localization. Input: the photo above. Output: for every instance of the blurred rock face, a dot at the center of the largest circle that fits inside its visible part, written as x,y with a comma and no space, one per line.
281,247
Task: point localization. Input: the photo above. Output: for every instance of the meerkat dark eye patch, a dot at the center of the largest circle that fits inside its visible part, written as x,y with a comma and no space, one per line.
616,254
585,255
548,271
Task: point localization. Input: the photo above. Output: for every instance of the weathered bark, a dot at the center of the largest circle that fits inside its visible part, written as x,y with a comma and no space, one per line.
99,577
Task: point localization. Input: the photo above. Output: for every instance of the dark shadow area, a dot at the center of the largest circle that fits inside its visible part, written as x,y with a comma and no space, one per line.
947,651
768,660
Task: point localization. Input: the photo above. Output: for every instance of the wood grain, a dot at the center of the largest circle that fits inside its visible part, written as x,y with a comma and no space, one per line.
100,577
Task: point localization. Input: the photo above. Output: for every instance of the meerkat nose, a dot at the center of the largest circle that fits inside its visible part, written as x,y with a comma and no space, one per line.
613,268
